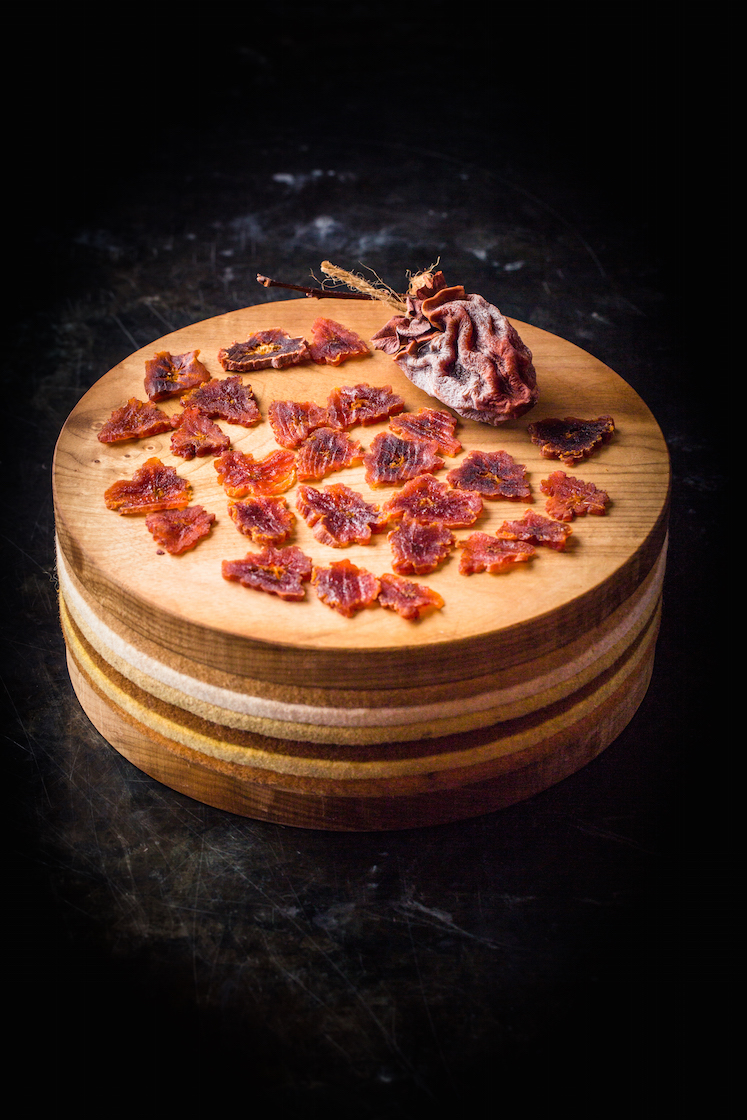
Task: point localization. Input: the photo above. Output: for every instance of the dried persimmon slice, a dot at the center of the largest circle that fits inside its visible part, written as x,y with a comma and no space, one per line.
278,571
483,553
494,474
429,424
265,520
240,474
570,439
391,460
536,529
197,435
570,497
345,587
427,499
407,598
327,450
225,398
349,405
153,487
271,348
338,516
293,421
178,530
167,375
332,343
419,547
134,420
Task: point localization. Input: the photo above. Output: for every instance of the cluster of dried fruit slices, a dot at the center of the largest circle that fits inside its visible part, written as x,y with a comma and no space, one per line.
314,440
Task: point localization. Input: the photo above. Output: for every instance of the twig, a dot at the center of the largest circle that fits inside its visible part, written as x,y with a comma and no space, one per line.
312,293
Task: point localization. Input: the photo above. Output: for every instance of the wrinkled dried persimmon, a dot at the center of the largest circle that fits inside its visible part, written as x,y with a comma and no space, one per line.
407,598
332,343
345,587
278,571
326,450
197,435
265,520
391,459
338,516
483,553
349,405
240,474
225,398
461,350
570,439
536,529
570,497
429,424
426,499
167,375
178,530
420,546
271,348
494,474
153,487
134,420
293,421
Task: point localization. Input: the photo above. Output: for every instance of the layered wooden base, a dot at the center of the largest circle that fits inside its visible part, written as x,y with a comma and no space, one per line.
363,784
290,712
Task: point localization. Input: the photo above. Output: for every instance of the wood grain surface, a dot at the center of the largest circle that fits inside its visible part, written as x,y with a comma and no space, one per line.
184,604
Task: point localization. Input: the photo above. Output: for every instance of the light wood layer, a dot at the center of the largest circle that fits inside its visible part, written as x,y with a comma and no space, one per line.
417,759
360,796
505,619
541,683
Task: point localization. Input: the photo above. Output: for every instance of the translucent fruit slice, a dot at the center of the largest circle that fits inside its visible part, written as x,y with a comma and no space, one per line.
338,516
134,420
345,587
266,521
494,474
327,450
225,398
197,435
391,460
429,424
484,553
167,375
419,547
278,571
263,349
332,343
407,598
349,405
153,487
536,529
427,499
570,497
240,474
293,421
178,530
570,439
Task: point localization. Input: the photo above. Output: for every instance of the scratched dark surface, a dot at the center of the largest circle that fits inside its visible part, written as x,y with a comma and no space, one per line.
384,974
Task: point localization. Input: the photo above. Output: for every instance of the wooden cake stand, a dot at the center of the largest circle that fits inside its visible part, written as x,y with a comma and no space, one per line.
290,712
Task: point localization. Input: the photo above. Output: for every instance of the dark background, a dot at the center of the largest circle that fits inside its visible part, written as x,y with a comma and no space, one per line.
572,164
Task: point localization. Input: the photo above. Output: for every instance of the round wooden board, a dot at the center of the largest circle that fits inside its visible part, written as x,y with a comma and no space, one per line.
185,606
